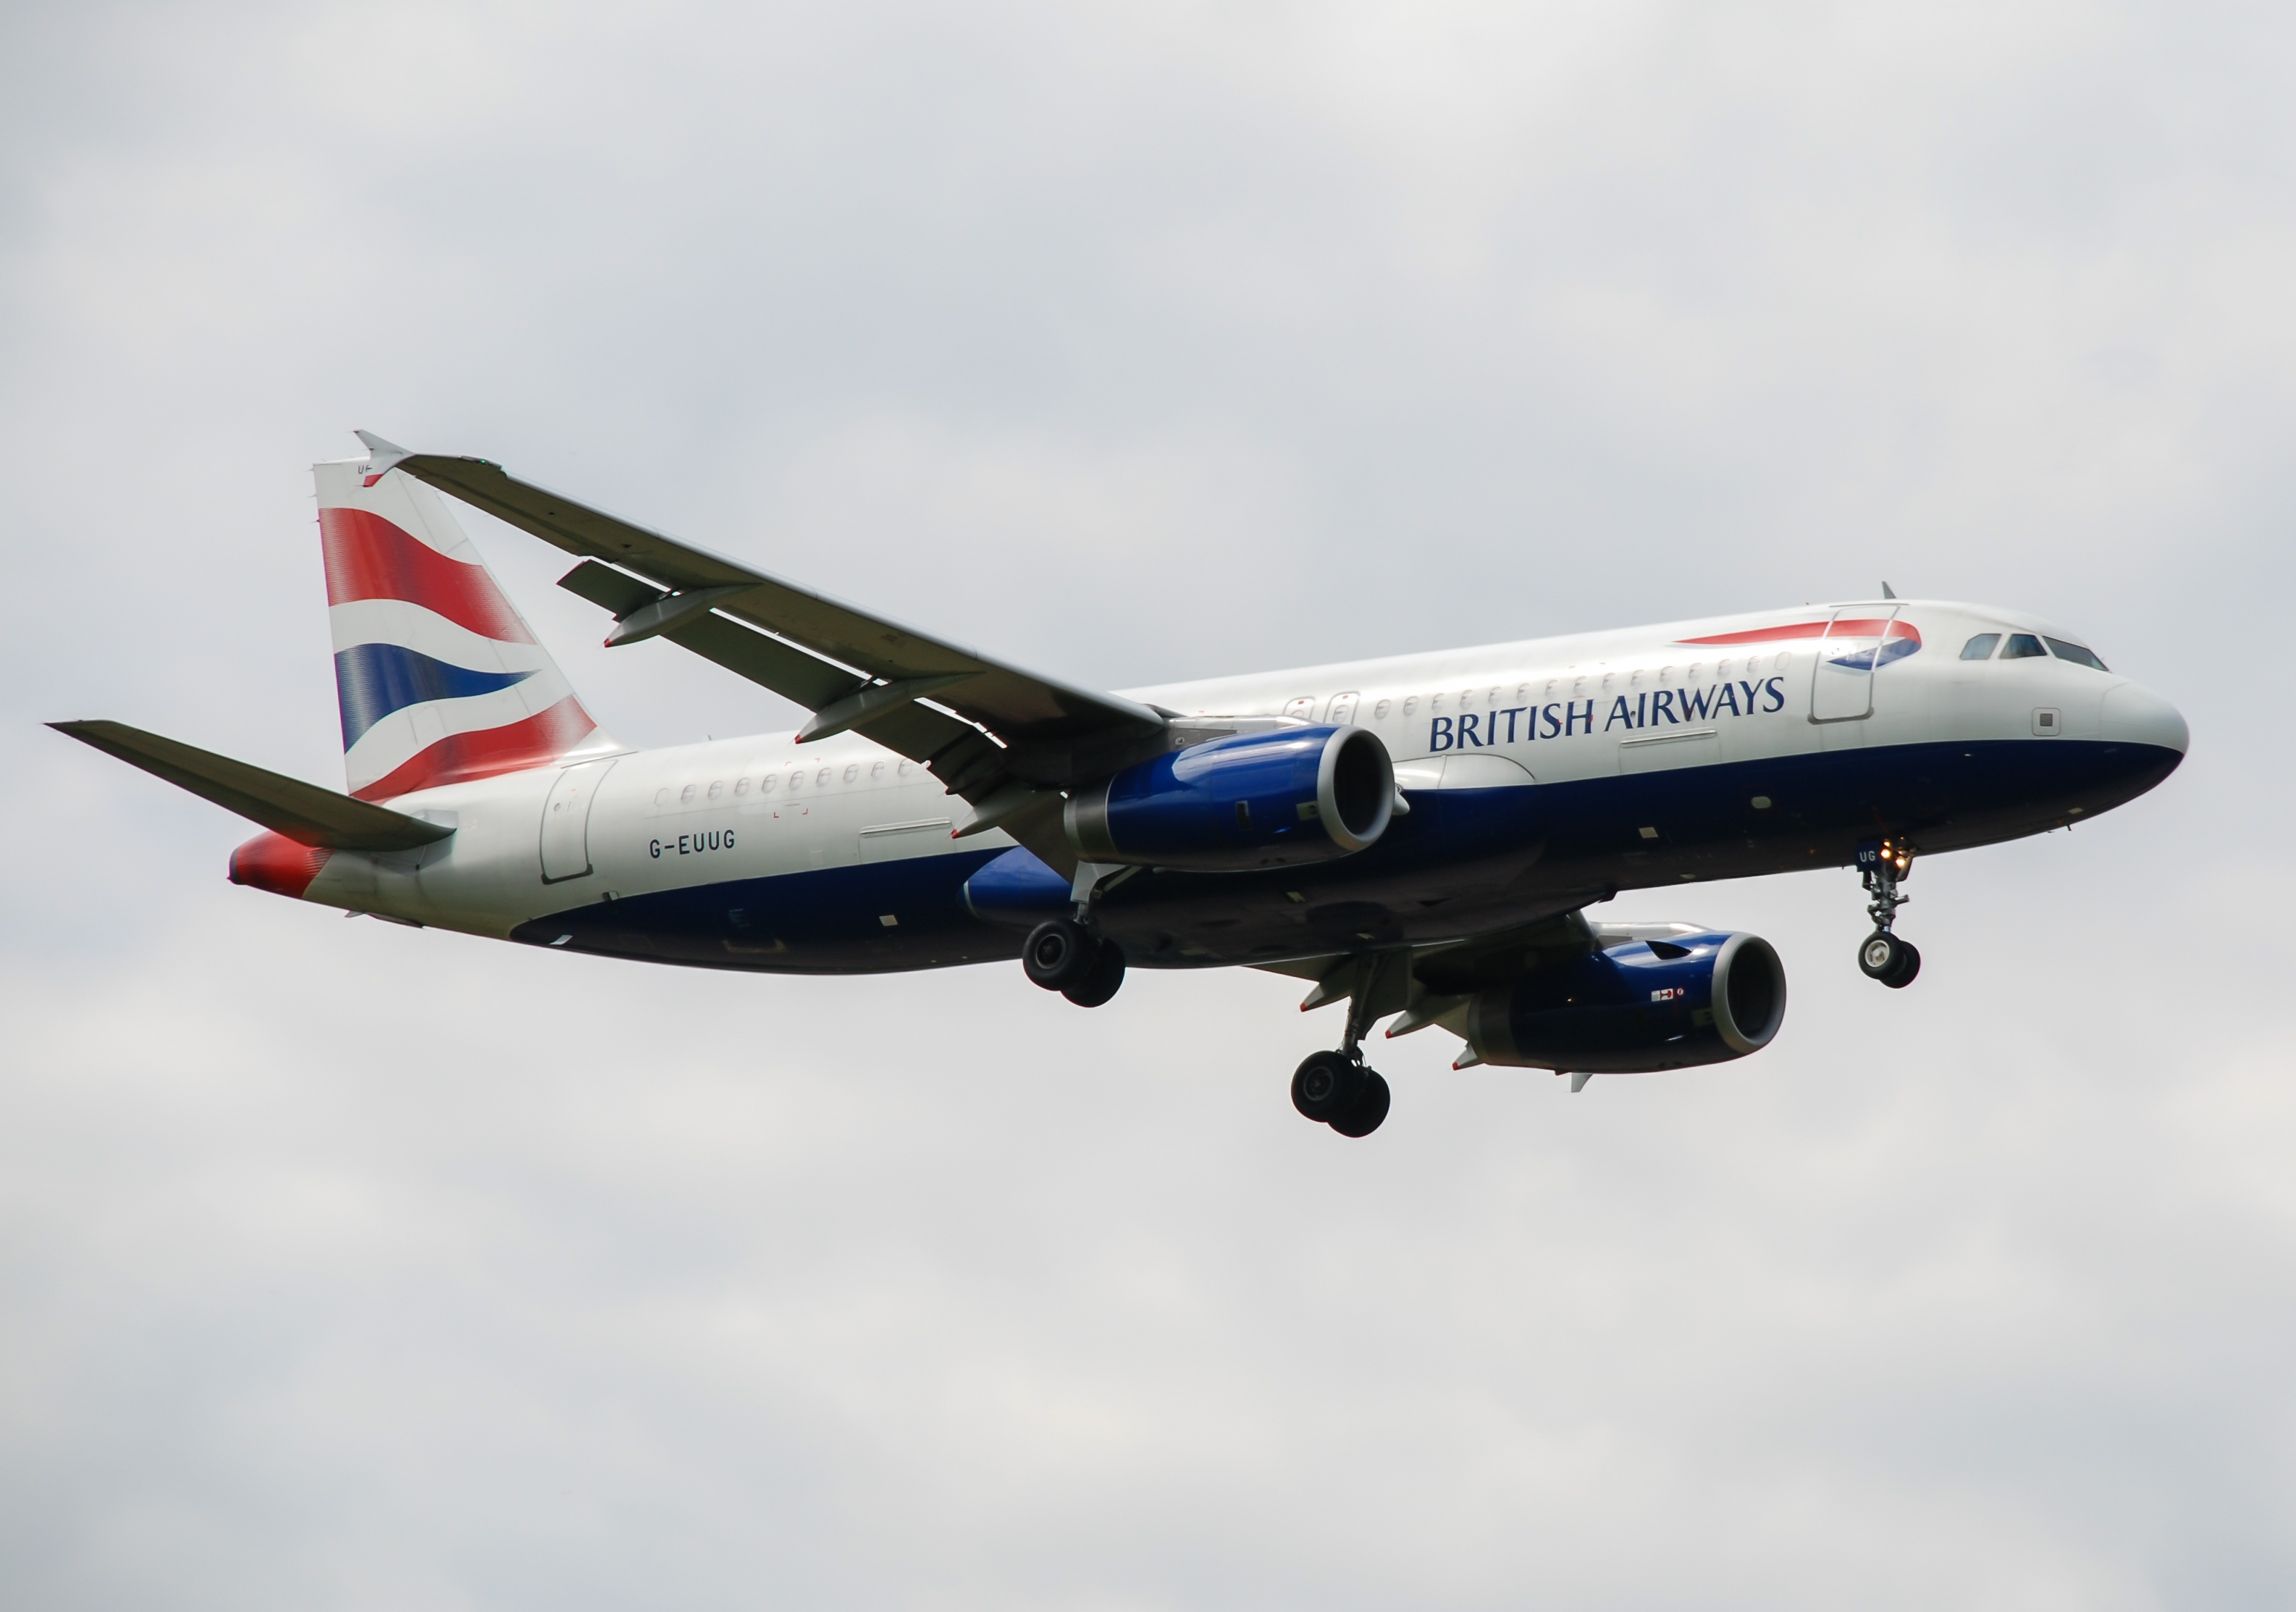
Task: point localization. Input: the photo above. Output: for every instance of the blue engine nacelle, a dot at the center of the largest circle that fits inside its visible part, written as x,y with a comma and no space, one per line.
1637,1007
1259,799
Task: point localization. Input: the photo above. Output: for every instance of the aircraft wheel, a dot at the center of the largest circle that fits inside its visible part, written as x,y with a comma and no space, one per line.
1912,967
1363,1116
1059,953
1885,957
1106,980
1325,1084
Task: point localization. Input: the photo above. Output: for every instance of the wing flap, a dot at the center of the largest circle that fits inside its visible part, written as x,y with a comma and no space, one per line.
303,812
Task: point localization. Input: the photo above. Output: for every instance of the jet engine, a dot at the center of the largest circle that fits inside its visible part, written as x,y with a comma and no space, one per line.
1636,1008
1257,799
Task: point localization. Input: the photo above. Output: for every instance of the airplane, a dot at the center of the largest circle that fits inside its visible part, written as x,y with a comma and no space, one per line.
1420,836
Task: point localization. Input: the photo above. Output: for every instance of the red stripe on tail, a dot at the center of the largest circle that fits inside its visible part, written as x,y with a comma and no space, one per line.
369,558
489,752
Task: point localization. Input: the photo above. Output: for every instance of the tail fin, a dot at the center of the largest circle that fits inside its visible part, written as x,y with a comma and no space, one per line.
437,678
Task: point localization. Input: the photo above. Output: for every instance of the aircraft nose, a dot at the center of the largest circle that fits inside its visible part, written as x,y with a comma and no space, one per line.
2135,715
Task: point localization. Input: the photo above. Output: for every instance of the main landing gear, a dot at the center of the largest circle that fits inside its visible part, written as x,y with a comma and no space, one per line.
1882,955
1334,1089
1062,955
1337,1091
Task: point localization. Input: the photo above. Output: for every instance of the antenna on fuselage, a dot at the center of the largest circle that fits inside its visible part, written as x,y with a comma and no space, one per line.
1886,593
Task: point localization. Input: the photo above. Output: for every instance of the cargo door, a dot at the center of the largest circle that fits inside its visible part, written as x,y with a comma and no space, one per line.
1842,684
566,821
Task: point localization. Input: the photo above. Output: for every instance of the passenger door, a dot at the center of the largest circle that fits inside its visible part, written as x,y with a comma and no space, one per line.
566,821
1841,683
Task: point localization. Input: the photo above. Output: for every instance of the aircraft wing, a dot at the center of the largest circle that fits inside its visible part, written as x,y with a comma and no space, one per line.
1437,980
1005,739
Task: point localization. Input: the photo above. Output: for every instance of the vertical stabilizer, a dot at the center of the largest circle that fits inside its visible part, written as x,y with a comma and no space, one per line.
438,680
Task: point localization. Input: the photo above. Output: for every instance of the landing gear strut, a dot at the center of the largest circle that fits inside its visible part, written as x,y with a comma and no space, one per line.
1882,955
1335,1089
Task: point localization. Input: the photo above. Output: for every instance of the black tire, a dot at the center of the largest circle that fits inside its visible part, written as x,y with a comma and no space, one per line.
1325,1084
1881,956
1910,967
1363,1116
1059,953
1106,980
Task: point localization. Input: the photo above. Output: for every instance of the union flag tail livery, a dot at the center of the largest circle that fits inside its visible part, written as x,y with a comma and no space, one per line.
1421,837
439,681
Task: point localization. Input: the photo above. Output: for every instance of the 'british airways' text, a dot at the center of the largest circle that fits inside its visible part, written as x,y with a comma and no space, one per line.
1567,717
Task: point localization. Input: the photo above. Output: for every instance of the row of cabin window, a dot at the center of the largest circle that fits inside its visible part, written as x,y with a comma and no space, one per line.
2026,646
1342,707
743,788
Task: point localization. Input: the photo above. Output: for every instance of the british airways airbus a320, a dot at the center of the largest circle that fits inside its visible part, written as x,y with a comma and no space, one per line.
1419,836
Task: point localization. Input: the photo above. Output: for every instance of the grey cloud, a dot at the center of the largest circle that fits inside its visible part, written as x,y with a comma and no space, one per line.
347,1266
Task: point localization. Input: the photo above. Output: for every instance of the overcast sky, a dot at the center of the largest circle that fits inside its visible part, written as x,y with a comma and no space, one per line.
343,1266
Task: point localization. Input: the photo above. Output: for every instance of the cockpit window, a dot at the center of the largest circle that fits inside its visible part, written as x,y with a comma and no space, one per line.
1980,647
2076,654
2022,646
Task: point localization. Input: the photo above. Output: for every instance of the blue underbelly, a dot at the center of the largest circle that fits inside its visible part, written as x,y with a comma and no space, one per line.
1463,861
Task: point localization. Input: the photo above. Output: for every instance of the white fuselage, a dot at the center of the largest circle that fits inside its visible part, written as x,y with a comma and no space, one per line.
1539,716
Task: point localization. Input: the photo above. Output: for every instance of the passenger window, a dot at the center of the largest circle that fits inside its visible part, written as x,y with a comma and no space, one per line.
852,771
716,788
741,786
1980,647
2022,646
685,795
2077,654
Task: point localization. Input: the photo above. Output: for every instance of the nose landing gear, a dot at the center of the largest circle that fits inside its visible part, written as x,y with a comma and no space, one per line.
1882,956
1889,959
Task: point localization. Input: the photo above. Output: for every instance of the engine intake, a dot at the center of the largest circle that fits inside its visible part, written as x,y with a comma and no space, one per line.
1259,799
1636,1008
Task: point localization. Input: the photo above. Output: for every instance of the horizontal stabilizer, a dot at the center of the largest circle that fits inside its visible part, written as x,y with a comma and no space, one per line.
302,813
